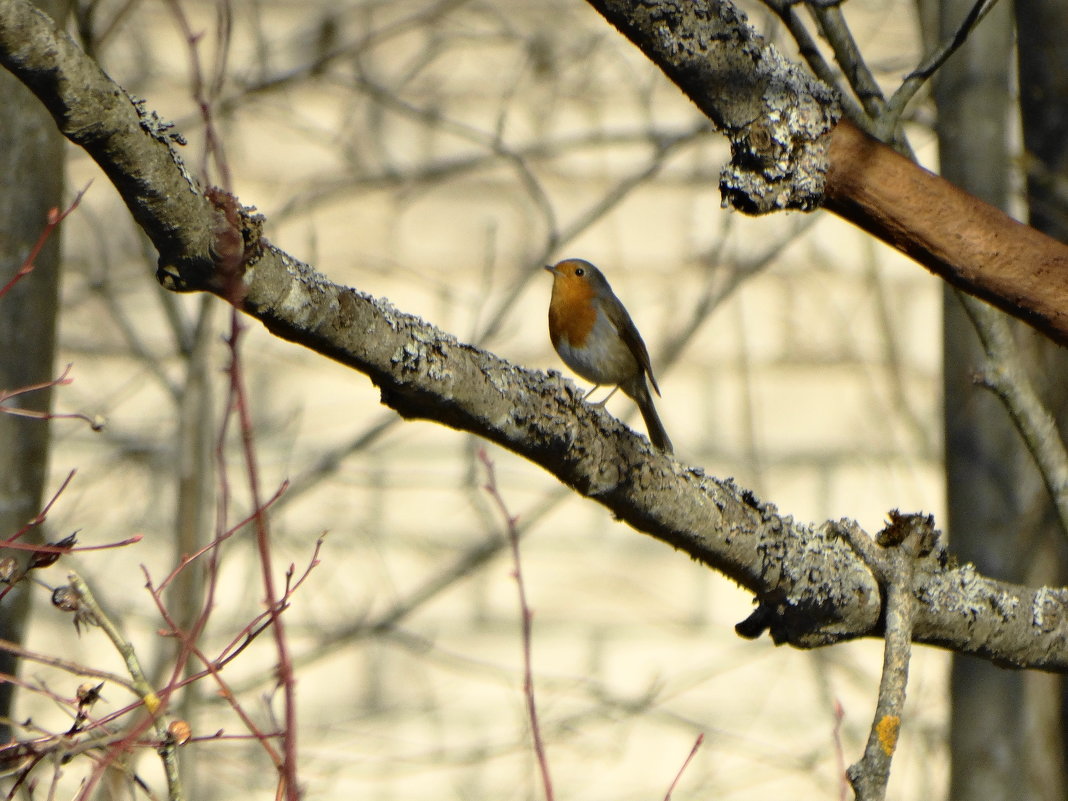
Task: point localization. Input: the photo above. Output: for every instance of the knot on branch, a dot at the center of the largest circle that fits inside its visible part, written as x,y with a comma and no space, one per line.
234,241
914,532
810,607
804,622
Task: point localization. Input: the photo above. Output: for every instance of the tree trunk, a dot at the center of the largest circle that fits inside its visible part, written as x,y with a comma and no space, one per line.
31,161
999,719
1043,69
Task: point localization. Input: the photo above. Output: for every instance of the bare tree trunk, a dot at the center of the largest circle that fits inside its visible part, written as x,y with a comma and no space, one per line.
981,447
1043,64
31,161
1001,729
1043,69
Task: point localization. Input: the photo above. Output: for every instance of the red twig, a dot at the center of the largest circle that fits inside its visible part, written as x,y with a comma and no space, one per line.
41,516
63,380
219,539
245,637
55,217
839,752
263,541
37,520
212,668
64,549
527,617
685,764
204,93
95,423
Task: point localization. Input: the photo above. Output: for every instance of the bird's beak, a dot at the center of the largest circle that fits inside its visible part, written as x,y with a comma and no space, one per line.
550,268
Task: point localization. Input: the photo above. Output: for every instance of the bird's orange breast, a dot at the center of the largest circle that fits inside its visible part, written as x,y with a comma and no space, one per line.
572,311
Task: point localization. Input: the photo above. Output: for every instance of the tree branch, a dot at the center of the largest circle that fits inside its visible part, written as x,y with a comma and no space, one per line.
787,152
812,588
974,246
775,114
134,147
891,557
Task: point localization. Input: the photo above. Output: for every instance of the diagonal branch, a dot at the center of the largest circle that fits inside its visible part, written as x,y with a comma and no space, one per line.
812,588
789,153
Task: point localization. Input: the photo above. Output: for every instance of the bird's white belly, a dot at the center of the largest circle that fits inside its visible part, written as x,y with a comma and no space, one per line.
605,359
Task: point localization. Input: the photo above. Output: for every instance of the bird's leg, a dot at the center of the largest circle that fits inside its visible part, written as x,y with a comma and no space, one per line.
603,401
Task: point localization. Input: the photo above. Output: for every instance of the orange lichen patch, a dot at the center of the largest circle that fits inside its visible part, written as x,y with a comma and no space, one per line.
887,729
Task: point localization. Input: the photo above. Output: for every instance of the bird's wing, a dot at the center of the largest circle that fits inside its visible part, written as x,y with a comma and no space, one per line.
629,334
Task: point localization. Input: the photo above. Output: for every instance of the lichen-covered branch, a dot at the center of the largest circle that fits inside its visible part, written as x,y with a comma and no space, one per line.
774,113
133,147
811,586
789,150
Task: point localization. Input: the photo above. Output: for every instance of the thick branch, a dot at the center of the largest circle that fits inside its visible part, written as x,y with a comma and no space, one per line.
813,589
133,147
774,113
971,244
788,153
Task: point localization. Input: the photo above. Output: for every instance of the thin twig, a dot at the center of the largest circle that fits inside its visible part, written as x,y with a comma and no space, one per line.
96,423
220,539
526,616
41,516
807,47
152,702
832,24
205,92
285,673
685,764
1003,374
64,664
892,559
212,668
919,76
54,218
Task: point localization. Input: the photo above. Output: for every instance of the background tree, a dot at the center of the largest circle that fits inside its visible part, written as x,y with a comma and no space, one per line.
1044,116
1005,737
986,462
31,161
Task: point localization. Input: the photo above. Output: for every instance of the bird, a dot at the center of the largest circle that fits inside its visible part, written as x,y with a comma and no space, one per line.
594,335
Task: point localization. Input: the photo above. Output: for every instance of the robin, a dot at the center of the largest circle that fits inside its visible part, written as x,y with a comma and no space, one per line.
596,338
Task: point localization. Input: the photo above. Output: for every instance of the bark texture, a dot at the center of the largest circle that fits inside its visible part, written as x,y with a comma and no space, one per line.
774,113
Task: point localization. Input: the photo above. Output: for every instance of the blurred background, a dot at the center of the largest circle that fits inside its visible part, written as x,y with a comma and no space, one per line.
438,153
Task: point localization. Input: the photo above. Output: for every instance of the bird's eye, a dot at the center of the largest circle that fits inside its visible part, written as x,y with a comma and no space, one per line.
579,272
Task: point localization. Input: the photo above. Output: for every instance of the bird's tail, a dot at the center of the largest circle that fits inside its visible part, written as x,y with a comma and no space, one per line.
639,391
